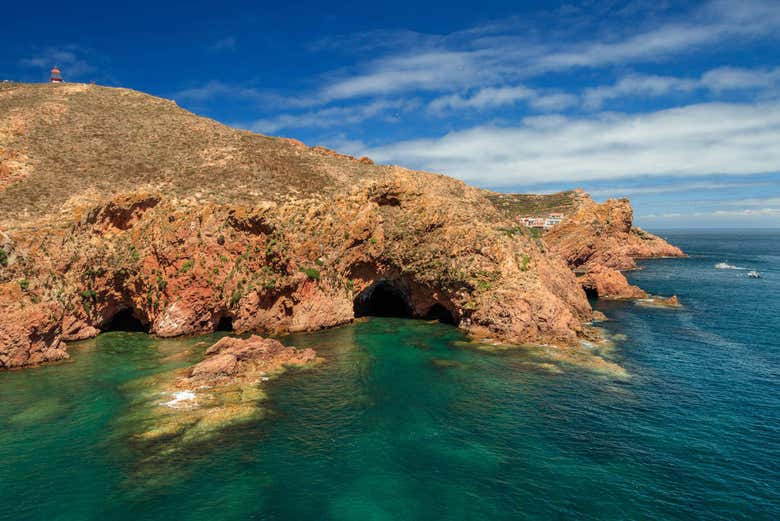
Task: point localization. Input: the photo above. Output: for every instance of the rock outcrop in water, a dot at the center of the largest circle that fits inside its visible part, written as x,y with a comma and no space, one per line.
598,241
247,360
177,225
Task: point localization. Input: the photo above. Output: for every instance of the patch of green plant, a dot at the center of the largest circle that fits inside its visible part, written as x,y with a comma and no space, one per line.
3,258
312,273
24,284
511,231
235,297
88,294
526,261
187,266
484,285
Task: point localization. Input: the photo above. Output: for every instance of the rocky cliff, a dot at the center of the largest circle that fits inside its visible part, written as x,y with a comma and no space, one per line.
598,241
121,210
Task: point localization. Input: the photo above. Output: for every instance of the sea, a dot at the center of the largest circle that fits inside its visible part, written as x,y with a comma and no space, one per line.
407,420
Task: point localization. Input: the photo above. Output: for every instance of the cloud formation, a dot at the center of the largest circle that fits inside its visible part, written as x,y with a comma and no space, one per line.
332,116
69,58
709,138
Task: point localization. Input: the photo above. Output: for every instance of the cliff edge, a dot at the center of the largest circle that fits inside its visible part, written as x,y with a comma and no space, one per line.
121,210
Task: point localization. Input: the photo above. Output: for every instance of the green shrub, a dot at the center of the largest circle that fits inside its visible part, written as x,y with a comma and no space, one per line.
526,261
3,258
24,284
134,253
88,294
511,232
312,273
235,298
187,266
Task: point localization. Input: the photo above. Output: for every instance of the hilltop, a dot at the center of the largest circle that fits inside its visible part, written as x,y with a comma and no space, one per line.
121,210
70,145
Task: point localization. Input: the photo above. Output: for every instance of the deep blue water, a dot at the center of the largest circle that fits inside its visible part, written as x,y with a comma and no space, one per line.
405,421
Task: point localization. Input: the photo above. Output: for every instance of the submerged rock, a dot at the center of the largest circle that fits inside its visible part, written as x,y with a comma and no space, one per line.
193,404
233,360
660,302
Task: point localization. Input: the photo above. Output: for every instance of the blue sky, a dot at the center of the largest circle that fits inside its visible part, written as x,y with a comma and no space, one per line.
673,104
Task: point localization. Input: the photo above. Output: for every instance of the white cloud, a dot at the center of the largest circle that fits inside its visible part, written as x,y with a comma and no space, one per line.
748,212
472,59
717,80
489,97
669,188
216,89
553,102
732,78
637,85
494,97
70,59
428,71
716,217
334,116
765,201
712,138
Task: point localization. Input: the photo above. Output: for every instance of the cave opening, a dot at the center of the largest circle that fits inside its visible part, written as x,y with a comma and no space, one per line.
440,313
225,324
382,299
124,320
591,293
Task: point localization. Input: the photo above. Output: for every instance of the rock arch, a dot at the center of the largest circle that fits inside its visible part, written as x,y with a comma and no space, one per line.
383,298
124,320
440,313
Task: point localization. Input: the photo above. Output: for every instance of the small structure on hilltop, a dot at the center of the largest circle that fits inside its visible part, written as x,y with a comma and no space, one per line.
56,75
541,223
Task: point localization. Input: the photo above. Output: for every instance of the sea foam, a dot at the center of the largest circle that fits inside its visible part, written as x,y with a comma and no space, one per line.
179,399
726,266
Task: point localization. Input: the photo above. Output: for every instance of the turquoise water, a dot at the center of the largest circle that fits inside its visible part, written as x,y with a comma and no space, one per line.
405,421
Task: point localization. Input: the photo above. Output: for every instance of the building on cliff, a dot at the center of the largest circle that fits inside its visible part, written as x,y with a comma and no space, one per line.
56,76
542,223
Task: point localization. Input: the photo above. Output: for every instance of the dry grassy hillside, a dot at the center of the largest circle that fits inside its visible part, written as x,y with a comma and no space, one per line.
538,205
71,145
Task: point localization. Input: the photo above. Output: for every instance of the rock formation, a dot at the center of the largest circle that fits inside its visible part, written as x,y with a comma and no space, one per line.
598,241
248,360
123,210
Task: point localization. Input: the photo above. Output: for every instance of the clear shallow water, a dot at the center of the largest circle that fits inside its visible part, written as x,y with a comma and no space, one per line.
404,421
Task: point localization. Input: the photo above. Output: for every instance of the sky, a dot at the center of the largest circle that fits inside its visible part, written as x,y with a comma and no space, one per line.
674,104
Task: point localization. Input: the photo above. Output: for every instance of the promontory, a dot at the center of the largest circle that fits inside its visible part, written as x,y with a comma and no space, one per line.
120,210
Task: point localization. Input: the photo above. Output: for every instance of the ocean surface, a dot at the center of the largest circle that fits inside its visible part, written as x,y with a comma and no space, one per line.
406,421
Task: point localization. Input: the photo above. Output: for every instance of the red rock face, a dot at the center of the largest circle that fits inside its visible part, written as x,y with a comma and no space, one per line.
599,240
233,360
30,335
279,268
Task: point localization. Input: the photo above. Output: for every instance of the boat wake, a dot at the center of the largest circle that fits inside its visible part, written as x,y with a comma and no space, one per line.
726,266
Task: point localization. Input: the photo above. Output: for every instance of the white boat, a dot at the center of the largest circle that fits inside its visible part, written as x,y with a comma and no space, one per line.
753,275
